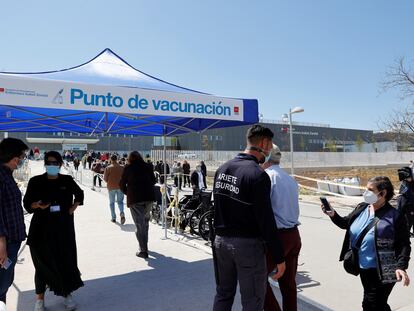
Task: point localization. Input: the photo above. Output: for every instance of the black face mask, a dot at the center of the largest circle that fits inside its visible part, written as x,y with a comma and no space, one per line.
260,150
403,174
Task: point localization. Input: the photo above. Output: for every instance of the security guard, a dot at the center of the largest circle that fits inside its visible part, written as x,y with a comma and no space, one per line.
405,203
243,221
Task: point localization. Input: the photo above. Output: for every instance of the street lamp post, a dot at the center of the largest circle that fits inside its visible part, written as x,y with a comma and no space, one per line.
285,118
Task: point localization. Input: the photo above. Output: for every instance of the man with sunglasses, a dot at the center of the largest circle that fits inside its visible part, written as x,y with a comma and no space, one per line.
12,228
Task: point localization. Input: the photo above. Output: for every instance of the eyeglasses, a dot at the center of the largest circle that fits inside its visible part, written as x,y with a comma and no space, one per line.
56,163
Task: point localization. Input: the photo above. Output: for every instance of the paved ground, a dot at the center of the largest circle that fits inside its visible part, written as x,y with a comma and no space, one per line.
179,272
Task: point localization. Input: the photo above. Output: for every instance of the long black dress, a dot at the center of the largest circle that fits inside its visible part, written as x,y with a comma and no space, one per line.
52,234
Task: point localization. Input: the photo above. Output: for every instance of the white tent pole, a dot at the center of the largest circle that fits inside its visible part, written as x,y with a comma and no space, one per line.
164,156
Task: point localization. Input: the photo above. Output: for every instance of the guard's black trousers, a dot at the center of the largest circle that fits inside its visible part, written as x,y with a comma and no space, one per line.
242,260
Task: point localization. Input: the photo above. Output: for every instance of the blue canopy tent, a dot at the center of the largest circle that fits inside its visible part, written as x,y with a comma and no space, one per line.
108,96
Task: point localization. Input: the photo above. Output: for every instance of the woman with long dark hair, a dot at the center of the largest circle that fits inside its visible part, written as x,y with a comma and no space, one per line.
53,199
137,183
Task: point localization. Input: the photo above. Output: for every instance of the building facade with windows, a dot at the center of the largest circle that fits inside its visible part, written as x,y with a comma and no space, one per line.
306,137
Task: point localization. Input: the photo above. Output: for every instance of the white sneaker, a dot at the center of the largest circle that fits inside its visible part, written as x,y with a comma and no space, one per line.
39,305
69,303
2,306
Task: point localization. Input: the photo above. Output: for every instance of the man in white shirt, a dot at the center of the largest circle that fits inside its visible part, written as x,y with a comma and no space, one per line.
285,204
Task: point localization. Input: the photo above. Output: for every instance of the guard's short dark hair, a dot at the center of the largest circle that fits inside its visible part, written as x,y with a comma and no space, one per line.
383,183
54,154
114,157
11,148
258,132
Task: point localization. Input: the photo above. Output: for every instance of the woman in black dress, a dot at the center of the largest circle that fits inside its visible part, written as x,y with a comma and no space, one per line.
53,198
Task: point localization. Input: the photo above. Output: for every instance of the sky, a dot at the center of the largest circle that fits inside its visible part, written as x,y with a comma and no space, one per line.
326,56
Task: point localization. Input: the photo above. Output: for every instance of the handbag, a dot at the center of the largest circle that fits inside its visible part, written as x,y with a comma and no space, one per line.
351,258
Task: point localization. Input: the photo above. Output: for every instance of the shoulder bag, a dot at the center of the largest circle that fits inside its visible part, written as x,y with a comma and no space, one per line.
351,258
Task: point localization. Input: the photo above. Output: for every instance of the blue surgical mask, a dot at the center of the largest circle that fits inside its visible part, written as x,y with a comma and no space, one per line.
52,170
21,163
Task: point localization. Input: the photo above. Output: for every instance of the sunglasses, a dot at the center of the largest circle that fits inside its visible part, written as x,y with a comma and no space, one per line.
56,163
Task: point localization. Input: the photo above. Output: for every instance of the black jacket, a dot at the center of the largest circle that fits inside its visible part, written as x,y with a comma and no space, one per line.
161,168
204,169
194,180
137,182
391,236
186,168
242,203
405,203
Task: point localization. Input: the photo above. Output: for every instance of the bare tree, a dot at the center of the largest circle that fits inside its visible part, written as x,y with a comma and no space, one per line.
400,76
399,124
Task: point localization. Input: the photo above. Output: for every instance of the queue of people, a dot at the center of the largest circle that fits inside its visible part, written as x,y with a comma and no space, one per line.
256,220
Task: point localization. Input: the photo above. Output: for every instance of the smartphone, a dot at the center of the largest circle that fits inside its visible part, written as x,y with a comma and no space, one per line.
325,204
7,264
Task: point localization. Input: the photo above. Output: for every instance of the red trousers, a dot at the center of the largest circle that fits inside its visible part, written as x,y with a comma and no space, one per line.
292,244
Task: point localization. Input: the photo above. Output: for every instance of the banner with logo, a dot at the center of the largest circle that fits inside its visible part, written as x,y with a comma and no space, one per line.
43,93
75,147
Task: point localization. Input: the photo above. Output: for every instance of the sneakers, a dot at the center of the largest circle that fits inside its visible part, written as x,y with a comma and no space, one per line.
2,306
113,220
142,255
122,218
39,305
69,303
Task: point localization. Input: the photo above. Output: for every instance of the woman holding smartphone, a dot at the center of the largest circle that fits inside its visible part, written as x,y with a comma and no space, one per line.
385,249
53,198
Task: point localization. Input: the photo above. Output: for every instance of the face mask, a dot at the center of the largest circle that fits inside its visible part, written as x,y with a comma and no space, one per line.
21,163
52,170
370,197
267,158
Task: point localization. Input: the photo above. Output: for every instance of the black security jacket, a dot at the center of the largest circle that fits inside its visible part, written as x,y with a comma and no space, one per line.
242,203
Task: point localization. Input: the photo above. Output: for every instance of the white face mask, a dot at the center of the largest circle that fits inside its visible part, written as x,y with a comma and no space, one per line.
370,197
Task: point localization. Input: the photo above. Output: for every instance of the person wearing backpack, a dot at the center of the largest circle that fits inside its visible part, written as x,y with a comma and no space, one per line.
378,233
